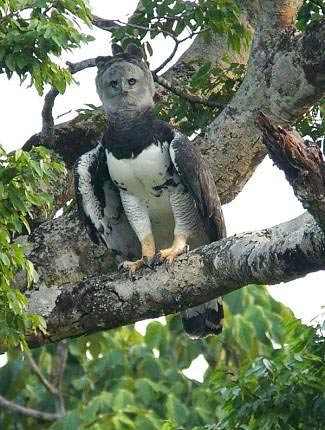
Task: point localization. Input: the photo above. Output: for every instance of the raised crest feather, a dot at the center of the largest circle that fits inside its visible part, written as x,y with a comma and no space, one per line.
133,49
117,49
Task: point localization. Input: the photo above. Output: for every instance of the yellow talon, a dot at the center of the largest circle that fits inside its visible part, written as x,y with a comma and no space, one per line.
178,247
132,266
148,251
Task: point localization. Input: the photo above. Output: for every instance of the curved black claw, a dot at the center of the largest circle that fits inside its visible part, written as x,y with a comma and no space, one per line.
156,260
147,262
120,267
125,271
131,275
167,265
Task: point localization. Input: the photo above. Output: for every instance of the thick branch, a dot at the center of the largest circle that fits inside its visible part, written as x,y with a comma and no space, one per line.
61,251
104,24
279,82
302,163
281,253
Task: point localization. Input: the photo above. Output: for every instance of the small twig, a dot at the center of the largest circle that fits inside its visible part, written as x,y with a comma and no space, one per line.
185,94
104,24
81,65
46,416
60,363
177,43
50,387
47,133
57,376
168,59
58,373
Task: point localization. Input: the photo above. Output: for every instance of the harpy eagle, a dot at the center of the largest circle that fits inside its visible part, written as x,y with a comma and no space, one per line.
145,191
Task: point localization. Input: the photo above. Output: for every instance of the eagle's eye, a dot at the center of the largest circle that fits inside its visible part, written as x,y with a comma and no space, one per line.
132,81
114,84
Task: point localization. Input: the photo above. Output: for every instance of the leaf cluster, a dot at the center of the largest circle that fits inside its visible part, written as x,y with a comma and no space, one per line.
310,12
123,380
175,19
33,31
283,392
213,83
312,125
24,177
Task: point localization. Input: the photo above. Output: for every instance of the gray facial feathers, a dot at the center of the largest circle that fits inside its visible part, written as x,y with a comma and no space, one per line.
124,82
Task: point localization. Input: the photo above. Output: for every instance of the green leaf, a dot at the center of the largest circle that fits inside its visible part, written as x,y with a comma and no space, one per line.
122,400
70,422
144,390
5,260
155,335
122,421
176,409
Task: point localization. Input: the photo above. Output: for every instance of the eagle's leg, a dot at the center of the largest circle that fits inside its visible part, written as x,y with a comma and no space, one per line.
148,251
137,213
168,255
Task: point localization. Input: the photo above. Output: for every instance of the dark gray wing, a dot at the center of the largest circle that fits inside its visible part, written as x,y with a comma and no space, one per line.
206,319
196,176
100,207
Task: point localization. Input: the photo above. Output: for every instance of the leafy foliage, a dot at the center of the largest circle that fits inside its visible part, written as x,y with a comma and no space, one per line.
284,392
23,178
171,18
312,124
214,84
122,380
31,31
310,13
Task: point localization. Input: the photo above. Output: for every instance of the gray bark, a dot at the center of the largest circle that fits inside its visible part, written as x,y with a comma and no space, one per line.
281,82
282,253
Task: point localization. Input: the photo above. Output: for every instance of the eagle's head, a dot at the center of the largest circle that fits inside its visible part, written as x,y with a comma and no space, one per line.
124,82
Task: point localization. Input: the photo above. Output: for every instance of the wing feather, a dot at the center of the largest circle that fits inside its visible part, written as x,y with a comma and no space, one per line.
195,174
100,208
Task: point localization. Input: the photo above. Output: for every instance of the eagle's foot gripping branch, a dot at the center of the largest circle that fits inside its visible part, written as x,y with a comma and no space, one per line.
168,255
148,252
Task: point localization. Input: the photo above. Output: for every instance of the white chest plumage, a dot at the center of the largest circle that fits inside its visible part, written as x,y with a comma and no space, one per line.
140,175
147,185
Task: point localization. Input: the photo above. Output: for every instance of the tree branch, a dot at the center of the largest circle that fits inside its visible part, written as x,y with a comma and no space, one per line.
60,363
182,92
57,376
302,164
46,416
232,141
282,253
51,388
104,24
47,133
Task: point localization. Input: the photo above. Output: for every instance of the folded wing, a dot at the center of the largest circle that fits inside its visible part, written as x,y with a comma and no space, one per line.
100,207
206,319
